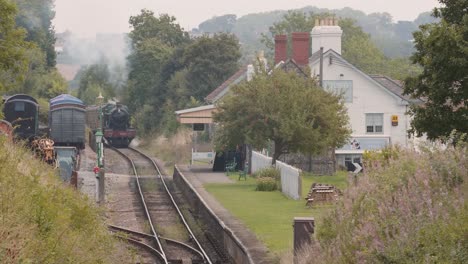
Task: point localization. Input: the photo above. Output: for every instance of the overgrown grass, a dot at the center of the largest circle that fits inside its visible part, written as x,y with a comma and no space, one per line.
408,207
176,149
270,214
44,221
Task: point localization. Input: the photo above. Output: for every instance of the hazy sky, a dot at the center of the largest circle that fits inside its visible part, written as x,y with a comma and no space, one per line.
87,17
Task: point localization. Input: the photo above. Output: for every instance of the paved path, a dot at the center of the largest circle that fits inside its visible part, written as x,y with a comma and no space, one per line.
198,175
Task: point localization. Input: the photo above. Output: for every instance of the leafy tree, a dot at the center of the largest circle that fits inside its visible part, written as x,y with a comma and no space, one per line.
357,46
442,52
147,26
158,47
219,24
285,108
40,80
36,17
95,79
13,60
210,61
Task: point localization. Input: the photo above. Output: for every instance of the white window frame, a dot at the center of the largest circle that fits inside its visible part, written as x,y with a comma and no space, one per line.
374,121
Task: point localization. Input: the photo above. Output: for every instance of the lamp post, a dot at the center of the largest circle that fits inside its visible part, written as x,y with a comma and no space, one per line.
100,175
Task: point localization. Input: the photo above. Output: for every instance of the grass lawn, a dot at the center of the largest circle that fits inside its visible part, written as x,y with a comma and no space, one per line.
270,214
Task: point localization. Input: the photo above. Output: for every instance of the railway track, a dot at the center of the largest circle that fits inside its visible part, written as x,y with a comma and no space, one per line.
172,240
148,254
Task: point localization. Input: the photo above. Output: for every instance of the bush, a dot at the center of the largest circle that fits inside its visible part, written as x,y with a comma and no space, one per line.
266,184
270,172
407,207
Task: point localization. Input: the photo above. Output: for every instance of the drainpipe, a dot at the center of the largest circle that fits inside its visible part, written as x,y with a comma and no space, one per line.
321,66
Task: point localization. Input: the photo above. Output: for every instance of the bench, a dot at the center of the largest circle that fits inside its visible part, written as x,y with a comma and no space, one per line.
231,167
243,173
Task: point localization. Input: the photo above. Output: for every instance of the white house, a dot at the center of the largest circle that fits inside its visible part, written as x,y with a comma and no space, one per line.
376,104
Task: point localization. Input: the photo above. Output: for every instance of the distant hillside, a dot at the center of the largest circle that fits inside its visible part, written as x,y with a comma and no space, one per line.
393,38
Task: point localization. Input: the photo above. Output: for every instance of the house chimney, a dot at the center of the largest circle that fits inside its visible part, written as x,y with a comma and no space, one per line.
300,48
326,34
280,48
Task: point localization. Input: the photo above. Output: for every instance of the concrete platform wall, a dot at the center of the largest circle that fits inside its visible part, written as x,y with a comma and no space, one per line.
216,228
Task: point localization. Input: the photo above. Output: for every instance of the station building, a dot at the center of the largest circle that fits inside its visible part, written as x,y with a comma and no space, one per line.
376,105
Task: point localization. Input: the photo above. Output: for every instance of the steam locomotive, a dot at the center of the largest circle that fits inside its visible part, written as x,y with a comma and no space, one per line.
115,123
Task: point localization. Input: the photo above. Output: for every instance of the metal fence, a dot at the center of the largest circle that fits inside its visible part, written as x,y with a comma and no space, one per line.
291,182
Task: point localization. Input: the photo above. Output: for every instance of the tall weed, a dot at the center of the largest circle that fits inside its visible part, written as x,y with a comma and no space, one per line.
44,221
407,207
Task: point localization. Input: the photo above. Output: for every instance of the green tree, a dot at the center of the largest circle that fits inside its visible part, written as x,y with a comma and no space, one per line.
158,46
36,17
285,108
442,51
40,80
357,46
13,60
210,61
95,79
218,24
164,28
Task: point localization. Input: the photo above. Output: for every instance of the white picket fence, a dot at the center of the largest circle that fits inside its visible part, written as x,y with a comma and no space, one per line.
291,182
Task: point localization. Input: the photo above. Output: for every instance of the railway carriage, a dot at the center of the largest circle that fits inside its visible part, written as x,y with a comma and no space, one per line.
67,121
22,112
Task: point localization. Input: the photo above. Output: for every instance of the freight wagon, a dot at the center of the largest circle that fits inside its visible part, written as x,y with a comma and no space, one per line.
67,121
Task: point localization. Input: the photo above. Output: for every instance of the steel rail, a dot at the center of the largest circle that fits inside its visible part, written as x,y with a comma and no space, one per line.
143,245
153,230
205,255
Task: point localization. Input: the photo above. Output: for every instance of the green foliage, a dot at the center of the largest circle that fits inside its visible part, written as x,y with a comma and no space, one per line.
36,17
43,110
44,221
268,172
218,24
285,108
266,184
147,26
358,47
95,79
210,61
268,179
13,47
39,80
168,71
443,84
407,207
394,39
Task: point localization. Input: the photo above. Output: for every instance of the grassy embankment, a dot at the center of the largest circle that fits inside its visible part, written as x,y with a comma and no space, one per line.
44,221
270,214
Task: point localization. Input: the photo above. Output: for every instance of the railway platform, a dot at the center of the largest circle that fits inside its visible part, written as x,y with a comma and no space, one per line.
198,175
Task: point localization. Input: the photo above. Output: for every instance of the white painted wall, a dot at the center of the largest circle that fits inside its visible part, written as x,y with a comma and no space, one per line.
368,97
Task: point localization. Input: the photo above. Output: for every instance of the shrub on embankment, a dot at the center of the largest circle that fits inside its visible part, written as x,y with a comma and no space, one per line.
407,207
44,221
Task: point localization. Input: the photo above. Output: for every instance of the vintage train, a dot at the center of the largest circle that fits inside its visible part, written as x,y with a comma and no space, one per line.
115,123
21,111
67,121
68,117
